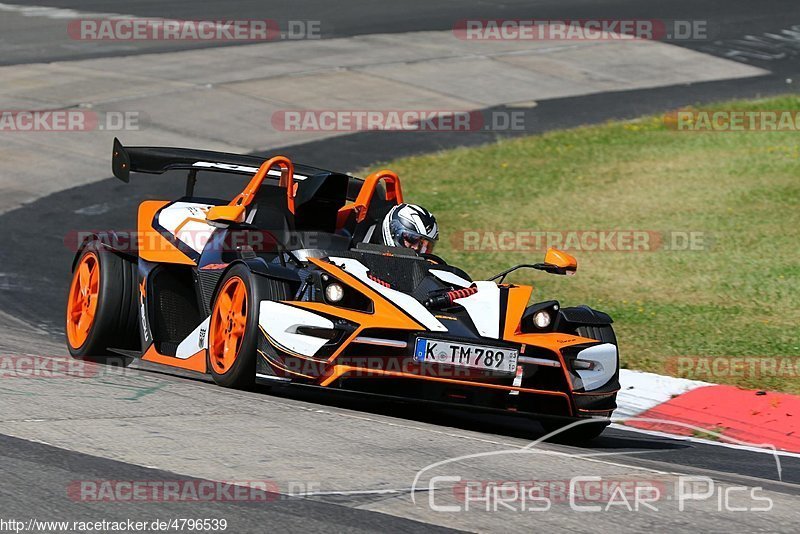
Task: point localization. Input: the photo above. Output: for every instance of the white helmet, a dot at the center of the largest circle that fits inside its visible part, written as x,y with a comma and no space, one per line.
410,226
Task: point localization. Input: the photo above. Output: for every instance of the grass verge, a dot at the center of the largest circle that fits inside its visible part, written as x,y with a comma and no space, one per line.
735,295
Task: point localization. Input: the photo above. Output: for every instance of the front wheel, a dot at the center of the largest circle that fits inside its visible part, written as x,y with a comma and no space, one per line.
604,333
233,331
588,429
585,431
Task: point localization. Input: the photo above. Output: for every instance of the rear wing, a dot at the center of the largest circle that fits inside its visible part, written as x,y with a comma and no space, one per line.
158,160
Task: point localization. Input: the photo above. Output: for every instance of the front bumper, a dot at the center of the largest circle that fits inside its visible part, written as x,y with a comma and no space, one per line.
543,384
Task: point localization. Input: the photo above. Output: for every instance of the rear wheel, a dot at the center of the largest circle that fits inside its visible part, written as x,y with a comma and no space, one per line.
101,304
233,331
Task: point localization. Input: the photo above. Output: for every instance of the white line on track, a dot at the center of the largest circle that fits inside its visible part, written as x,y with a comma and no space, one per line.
693,439
57,13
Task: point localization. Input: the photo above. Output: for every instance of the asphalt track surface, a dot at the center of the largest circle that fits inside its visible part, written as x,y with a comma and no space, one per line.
726,20
35,475
35,253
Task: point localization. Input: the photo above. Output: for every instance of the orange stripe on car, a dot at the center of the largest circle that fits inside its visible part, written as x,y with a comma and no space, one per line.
152,245
518,297
195,362
186,221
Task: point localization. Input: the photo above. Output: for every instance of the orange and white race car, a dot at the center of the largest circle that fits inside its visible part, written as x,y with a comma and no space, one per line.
278,285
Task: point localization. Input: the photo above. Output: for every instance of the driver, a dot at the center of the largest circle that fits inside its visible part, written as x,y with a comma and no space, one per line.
410,226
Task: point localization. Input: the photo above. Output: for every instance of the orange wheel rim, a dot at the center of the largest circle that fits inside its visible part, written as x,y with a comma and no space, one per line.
82,303
228,322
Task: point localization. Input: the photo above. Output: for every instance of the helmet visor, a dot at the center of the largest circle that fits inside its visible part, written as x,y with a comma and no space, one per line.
418,242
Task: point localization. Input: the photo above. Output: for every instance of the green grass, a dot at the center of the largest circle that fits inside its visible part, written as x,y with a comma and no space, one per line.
736,297
713,434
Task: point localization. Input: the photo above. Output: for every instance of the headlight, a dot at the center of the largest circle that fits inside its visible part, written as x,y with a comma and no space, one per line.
541,319
334,292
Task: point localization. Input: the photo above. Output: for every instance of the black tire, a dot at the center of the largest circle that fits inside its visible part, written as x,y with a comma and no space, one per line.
604,333
242,373
586,431
116,322
576,435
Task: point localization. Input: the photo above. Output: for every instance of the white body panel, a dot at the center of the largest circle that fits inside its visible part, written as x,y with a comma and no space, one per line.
450,278
280,322
194,342
483,308
605,361
186,221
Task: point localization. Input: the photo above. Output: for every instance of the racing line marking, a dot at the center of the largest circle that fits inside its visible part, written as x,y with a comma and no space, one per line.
693,439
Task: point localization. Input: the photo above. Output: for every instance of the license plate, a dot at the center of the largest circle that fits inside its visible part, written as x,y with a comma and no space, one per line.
496,359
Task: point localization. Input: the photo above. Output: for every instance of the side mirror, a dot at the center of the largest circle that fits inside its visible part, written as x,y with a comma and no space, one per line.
559,262
555,262
226,214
